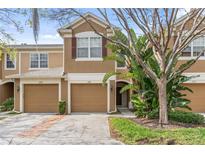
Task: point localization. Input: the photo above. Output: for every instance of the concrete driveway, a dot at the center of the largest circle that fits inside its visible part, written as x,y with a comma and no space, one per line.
53,129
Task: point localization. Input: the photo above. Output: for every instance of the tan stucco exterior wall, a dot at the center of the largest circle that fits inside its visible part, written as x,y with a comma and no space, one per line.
197,97
199,66
9,72
84,27
16,95
54,60
73,66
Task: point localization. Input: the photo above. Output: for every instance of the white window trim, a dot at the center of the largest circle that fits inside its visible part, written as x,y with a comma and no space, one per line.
192,53
122,68
89,59
5,63
39,68
88,35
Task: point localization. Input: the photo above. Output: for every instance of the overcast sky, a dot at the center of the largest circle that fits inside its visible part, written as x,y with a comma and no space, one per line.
48,31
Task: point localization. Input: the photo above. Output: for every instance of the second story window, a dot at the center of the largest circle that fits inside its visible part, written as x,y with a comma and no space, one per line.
89,47
194,48
198,45
38,60
10,64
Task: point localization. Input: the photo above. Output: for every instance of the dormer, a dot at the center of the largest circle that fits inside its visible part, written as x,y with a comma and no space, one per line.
85,46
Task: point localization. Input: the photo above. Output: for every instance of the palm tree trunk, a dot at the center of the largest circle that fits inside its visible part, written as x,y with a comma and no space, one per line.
163,113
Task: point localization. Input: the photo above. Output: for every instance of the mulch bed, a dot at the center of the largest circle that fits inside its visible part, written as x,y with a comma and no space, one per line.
153,123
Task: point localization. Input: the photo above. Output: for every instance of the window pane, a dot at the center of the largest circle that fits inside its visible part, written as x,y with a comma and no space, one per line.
95,42
198,46
34,64
43,64
82,53
197,50
43,57
187,52
34,57
95,52
43,60
9,62
199,41
82,42
34,60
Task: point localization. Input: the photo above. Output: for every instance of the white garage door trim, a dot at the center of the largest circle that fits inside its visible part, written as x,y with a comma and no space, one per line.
37,81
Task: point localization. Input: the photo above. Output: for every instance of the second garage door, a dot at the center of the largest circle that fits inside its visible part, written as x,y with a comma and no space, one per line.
197,97
88,98
41,98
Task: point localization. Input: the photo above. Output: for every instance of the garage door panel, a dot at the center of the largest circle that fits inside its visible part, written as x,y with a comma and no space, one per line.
197,97
41,98
88,98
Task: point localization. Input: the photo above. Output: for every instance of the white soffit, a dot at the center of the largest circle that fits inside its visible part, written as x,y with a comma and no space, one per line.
87,77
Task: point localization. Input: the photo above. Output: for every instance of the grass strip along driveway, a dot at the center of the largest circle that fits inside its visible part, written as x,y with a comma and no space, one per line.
130,132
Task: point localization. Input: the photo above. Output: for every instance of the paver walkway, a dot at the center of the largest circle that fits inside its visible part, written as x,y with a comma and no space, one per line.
54,129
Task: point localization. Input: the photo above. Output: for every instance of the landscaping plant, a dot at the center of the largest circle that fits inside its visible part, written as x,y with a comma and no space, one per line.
145,91
8,104
166,36
62,107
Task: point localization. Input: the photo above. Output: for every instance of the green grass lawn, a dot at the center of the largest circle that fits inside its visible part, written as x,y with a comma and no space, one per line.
129,132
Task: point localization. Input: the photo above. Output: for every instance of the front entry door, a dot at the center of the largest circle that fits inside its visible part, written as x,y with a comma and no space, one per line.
119,96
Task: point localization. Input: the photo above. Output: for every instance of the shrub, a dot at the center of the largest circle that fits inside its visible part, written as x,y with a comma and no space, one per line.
154,114
8,104
186,117
180,116
62,107
139,106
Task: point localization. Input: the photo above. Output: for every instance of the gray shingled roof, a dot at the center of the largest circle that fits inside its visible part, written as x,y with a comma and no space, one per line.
36,46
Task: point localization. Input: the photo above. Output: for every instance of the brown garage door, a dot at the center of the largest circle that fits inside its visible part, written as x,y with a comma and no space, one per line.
40,98
88,98
197,97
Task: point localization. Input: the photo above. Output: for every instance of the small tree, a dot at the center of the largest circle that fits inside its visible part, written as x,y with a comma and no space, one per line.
145,90
8,17
159,26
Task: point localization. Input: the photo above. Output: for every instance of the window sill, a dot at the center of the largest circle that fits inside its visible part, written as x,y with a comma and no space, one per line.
89,59
189,58
33,69
121,68
10,69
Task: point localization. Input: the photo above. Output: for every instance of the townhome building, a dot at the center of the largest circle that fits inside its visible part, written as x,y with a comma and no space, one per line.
42,75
